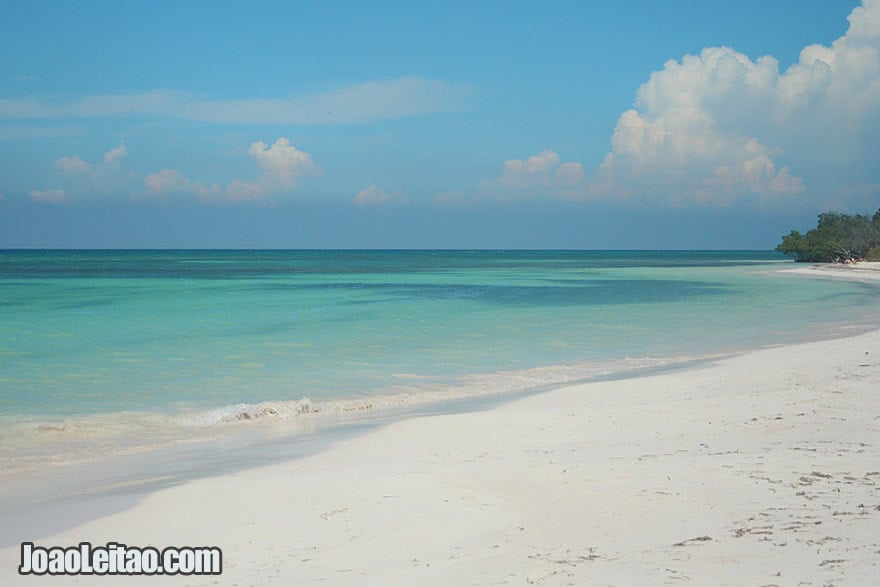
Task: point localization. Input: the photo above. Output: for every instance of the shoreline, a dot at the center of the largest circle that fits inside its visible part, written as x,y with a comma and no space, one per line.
868,271
61,440
56,498
636,440
759,468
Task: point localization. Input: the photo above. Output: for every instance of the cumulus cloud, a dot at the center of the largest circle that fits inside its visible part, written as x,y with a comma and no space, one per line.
691,138
282,161
376,196
171,181
56,196
82,179
115,154
543,175
281,164
718,127
540,175
72,165
167,180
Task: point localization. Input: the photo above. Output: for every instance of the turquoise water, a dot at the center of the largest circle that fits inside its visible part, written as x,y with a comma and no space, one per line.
214,333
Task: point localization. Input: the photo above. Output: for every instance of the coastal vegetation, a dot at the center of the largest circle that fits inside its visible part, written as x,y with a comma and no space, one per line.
837,238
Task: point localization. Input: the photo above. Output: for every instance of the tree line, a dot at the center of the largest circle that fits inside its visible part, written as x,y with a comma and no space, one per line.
837,238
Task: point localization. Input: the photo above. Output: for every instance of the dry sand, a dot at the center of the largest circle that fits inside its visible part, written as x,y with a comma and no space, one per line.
760,469
861,271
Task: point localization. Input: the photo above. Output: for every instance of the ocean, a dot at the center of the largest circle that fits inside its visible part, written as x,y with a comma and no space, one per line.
103,352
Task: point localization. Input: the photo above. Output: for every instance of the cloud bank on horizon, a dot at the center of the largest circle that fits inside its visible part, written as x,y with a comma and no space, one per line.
713,129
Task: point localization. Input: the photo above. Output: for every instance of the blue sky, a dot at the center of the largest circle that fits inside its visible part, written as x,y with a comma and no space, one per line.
450,125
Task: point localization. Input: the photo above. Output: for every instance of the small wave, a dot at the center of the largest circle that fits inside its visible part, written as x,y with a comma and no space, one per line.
32,442
282,410
418,392
269,410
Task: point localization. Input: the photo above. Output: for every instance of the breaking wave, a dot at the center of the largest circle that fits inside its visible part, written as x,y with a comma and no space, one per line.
28,442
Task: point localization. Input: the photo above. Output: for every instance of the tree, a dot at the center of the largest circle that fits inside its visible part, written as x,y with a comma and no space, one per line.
837,237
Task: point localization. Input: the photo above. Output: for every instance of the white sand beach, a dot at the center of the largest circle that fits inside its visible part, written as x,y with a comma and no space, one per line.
759,469
860,271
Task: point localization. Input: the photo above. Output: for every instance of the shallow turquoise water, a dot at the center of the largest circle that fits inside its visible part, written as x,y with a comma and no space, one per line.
86,332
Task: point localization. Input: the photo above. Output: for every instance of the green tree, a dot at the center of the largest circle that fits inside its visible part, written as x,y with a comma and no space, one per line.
837,237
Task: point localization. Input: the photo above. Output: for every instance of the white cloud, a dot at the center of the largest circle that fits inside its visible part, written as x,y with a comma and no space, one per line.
72,165
360,103
105,105
376,196
56,196
282,165
171,181
115,154
569,175
541,175
282,160
516,170
718,127
81,179
371,196
167,180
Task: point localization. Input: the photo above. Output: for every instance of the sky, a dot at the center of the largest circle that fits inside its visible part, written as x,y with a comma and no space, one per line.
583,125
